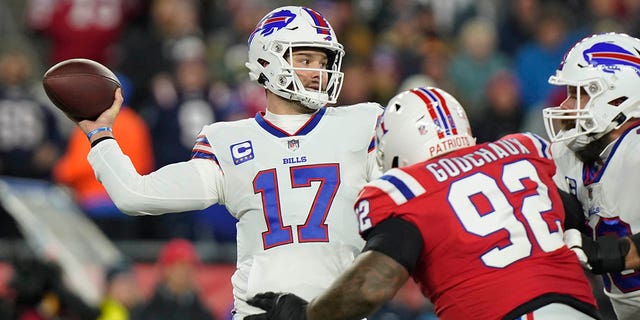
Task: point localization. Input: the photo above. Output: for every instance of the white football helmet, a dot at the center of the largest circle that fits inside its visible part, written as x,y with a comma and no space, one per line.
420,124
607,67
275,38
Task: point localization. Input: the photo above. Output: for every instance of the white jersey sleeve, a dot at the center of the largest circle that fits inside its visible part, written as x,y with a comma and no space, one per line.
184,186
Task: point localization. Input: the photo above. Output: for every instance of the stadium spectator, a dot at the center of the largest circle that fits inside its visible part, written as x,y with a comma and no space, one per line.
518,24
477,226
502,108
30,142
595,139
149,51
288,169
122,297
176,296
434,66
40,293
477,42
359,89
183,102
537,59
89,29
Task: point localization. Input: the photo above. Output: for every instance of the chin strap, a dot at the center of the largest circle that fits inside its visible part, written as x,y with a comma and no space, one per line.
590,153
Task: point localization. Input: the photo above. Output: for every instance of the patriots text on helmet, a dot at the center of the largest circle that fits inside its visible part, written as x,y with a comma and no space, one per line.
446,145
446,168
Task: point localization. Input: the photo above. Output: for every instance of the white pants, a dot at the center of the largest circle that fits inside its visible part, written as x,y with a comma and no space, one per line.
555,311
626,308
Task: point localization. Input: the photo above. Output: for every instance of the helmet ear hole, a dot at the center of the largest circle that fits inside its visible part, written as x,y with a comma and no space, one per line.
262,80
395,162
618,101
263,62
397,106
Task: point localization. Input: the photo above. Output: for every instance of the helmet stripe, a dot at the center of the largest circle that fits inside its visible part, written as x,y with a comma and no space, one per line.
322,26
619,56
432,113
444,105
438,108
372,144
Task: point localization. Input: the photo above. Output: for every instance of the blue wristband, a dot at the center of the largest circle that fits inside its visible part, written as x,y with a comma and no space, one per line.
92,132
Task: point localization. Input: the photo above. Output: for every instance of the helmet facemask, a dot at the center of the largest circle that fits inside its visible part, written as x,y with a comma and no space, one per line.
599,67
290,86
575,126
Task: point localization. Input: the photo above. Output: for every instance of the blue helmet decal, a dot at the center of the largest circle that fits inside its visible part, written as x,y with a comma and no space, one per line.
273,22
610,57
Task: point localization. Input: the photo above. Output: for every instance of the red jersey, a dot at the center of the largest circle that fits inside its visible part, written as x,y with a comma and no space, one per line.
79,29
490,218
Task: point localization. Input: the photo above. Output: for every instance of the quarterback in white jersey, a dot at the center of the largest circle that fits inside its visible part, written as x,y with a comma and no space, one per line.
596,135
289,175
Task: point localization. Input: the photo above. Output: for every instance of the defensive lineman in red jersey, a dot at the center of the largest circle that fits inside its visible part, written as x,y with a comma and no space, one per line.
491,227
479,227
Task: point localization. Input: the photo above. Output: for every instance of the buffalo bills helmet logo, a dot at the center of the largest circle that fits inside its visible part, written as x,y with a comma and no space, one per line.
610,57
271,23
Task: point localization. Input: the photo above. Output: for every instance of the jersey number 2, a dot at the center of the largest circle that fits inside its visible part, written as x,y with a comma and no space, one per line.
502,217
314,229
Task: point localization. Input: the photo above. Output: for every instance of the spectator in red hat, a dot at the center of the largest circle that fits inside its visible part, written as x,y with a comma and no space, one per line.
176,295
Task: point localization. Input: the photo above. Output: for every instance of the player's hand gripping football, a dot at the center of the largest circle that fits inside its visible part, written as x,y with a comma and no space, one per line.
106,118
278,306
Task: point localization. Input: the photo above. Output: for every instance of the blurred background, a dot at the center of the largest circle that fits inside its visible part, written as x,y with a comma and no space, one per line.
181,64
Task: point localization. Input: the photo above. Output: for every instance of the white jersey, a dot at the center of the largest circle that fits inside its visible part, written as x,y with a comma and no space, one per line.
293,194
610,201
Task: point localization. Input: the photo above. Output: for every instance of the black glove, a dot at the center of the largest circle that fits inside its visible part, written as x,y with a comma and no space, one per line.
607,254
278,306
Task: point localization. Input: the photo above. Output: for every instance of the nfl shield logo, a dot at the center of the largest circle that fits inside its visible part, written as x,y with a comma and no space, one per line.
293,144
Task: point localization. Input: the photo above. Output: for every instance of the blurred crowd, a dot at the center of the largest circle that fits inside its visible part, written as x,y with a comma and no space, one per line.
181,65
37,290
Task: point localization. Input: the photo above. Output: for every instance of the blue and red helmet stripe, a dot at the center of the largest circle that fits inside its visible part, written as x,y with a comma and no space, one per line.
322,26
430,109
447,113
372,144
438,110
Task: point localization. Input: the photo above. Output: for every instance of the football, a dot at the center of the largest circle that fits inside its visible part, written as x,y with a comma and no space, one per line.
81,88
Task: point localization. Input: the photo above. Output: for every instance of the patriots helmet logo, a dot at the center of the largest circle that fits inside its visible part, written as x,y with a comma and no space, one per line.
272,23
611,57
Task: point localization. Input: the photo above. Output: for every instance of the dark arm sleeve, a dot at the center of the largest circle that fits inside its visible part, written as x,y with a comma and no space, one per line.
397,238
574,216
